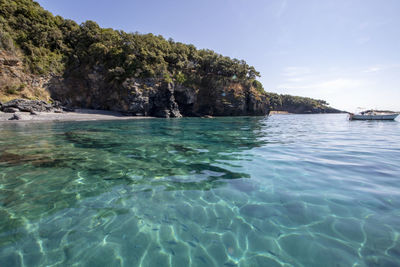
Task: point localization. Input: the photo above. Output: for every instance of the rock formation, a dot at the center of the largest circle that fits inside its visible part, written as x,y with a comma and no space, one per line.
31,106
154,97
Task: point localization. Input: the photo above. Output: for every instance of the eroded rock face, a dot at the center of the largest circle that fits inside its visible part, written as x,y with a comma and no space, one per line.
186,97
153,97
163,102
92,88
9,60
141,97
10,110
229,99
17,105
15,81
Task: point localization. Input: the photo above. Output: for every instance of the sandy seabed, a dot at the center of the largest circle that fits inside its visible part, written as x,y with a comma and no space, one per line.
77,115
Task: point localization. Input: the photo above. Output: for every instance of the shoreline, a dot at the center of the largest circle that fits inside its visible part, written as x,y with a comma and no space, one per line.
77,115
88,115
278,112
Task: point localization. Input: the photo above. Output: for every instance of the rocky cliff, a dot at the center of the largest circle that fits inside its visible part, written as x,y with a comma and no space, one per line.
46,57
298,104
134,96
16,82
155,97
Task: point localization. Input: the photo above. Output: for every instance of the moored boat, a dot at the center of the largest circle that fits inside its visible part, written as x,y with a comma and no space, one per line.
373,115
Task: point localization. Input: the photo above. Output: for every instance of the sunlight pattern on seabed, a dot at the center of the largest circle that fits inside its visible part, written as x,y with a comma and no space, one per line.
299,190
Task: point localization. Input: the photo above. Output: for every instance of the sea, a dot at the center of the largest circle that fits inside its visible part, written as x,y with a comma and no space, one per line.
284,190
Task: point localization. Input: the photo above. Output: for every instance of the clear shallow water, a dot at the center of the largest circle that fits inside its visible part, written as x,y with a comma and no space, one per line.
299,190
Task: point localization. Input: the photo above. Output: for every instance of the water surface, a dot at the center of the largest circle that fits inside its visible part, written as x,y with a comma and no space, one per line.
289,190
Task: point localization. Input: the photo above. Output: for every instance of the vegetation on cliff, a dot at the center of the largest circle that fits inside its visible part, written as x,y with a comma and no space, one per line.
53,44
298,104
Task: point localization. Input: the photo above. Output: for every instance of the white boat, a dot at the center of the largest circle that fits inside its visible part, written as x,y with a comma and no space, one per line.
373,115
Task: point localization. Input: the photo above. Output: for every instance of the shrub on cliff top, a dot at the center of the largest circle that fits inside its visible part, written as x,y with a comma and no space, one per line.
53,44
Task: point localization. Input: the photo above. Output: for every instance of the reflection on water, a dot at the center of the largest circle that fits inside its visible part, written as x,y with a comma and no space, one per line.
294,190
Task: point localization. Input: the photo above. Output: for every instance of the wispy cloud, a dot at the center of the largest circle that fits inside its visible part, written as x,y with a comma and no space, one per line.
372,69
281,9
373,24
327,86
363,40
381,68
296,71
304,80
338,84
338,91
364,25
344,87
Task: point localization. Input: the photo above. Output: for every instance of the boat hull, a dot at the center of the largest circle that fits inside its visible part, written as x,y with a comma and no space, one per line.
373,117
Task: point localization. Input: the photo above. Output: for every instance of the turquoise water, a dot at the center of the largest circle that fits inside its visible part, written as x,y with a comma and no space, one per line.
297,190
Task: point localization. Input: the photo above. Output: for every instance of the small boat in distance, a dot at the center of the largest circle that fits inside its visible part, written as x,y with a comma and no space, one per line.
373,115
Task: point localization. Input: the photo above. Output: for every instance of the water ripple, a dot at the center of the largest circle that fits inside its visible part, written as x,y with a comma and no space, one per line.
295,190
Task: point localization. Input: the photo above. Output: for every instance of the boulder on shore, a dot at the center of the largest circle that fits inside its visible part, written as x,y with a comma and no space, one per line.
10,110
15,117
29,106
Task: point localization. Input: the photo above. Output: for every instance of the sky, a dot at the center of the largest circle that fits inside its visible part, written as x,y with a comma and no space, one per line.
346,52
